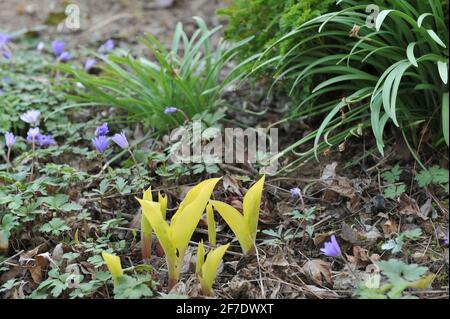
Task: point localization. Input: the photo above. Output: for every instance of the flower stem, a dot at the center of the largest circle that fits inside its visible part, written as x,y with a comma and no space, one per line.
33,158
135,161
349,267
8,161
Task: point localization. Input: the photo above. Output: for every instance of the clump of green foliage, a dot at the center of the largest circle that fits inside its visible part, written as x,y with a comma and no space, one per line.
268,20
189,76
389,72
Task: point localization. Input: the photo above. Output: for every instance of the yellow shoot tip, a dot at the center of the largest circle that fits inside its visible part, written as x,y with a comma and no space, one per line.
113,264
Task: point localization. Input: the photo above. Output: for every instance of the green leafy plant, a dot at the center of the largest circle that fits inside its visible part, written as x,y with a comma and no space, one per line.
399,277
188,77
434,175
55,227
394,73
396,245
392,176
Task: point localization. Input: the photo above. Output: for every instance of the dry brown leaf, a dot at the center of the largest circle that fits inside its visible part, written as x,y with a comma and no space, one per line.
316,292
389,227
318,271
344,188
329,174
407,205
360,257
231,184
425,209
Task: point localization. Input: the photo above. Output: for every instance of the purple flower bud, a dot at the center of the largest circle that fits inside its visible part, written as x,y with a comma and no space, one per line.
100,143
331,249
58,48
45,140
102,130
446,238
40,46
90,63
4,39
106,47
295,193
64,57
31,117
121,140
10,139
33,134
6,55
170,110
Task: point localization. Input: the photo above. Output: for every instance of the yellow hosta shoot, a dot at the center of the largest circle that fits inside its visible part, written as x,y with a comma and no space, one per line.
211,225
174,238
244,225
114,265
146,227
207,269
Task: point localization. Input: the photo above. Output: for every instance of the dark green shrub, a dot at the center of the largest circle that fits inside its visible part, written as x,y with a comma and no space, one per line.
268,20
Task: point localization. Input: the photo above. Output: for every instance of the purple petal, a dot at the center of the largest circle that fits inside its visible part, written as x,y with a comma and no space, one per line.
58,47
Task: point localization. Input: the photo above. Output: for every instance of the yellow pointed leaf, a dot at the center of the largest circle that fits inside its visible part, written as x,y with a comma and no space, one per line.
237,223
148,195
211,225
200,257
113,264
423,283
162,200
252,201
194,194
210,267
152,211
146,227
187,218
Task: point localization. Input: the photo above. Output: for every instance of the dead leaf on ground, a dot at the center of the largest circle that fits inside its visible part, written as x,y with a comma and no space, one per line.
360,257
231,184
321,293
407,205
425,209
318,271
329,174
390,227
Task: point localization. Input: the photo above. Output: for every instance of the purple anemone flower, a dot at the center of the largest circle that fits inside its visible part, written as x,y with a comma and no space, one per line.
106,47
90,63
295,193
170,110
121,140
33,134
100,143
45,140
4,39
64,57
31,117
331,249
446,238
102,130
58,48
10,139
